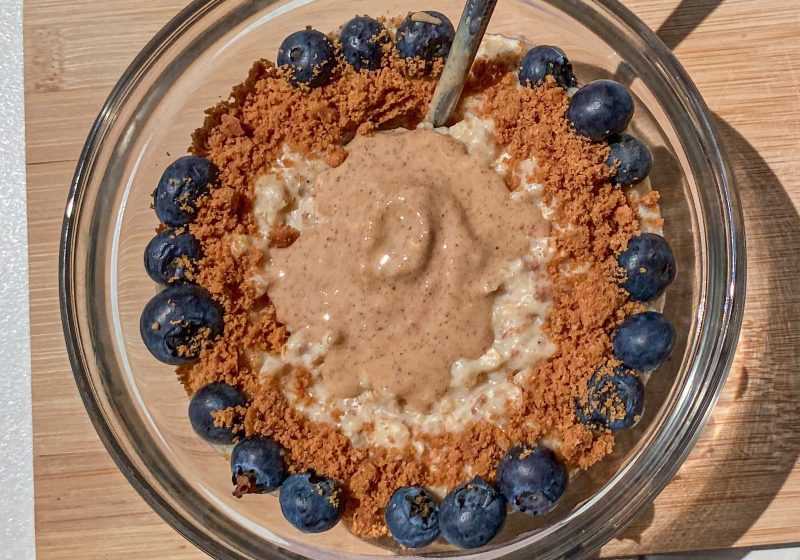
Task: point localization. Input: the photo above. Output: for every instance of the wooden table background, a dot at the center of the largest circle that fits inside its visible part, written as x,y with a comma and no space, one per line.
741,484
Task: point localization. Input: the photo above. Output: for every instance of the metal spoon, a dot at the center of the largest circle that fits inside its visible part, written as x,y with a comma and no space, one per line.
468,37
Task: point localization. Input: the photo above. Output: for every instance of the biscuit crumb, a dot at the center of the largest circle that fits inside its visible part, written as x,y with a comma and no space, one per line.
282,236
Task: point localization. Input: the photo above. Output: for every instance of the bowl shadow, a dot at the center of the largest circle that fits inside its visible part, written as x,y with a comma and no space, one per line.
752,441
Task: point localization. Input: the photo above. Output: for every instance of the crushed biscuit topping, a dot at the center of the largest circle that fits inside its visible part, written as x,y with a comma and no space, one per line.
244,135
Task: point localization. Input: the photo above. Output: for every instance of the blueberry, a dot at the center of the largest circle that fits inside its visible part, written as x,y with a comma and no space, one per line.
170,256
183,182
600,109
310,57
532,480
178,322
257,466
472,514
418,36
363,40
631,158
412,517
644,340
614,401
649,266
543,60
208,399
312,504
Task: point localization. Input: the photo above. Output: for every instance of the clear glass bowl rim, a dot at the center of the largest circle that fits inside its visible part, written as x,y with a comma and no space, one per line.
600,521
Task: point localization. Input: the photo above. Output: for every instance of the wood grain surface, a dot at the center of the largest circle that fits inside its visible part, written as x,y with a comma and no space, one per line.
741,484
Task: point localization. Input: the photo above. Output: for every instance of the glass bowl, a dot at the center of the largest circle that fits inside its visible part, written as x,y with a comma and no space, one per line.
139,408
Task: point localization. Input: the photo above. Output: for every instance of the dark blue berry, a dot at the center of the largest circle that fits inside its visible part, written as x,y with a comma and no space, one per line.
183,182
543,60
419,37
312,504
171,255
649,266
363,40
614,401
644,340
178,322
412,517
600,109
257,466
630,158
472,514
532,480
208,399
309,56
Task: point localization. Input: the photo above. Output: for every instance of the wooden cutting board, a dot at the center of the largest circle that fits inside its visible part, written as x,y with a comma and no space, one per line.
741,484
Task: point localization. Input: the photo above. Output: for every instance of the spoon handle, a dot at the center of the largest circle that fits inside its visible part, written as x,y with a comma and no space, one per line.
468,37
